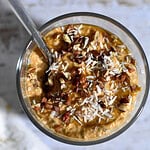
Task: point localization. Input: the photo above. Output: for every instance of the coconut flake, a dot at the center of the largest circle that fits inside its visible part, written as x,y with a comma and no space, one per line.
67,75
90,77
86,40
77,120
63,86
53,114
112,100
34,102
66,38
106,113
98,89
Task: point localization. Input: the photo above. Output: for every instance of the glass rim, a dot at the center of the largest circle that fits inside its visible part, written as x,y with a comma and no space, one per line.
122,129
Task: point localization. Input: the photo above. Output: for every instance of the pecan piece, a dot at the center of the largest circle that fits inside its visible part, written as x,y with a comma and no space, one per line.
48,106
85,85
82,79
78,40
68,102
133,61
76,53
130,59
43,101
135,88
64,96
95,53
101,103
76,80
130,68
56,108
124,100
58,128
69,49
36,108
123,77
66,117
102,79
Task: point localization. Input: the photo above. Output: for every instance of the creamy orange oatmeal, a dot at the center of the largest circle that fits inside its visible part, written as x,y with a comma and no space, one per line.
91,86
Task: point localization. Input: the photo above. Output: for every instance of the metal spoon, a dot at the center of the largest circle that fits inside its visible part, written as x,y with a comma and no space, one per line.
29,25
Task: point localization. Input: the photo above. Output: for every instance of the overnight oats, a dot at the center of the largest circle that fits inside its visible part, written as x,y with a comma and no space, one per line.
91,87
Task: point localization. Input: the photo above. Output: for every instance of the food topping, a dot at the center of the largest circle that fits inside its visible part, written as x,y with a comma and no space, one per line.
90,80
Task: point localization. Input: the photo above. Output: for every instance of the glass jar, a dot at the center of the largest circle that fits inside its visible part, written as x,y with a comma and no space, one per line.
108,24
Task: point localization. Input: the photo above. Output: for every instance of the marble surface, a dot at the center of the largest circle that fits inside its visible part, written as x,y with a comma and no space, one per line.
16,130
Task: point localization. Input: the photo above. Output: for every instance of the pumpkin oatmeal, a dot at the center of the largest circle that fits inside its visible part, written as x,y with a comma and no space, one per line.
91,86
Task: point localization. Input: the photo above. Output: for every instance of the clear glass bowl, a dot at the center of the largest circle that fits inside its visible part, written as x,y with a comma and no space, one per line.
111,25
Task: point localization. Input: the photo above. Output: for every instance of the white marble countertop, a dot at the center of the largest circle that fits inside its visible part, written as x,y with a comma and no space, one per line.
16,130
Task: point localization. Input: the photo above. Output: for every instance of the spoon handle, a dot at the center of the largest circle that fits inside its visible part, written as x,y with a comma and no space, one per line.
29,25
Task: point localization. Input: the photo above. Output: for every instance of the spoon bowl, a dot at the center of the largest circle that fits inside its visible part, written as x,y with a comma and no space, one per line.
30,26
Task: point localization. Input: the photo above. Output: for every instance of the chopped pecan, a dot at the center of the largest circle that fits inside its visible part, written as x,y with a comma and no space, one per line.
135,88
133,61
78,56
48,106
48,94
31,70
130,59
130,68
112,49
78,60
76,53
68,102
58,128
37,108
83,79
102,79
113,77
124,100
43,101
101,103
78,40
123,77
74,71
76,80
69,49
56,108
101,58
95,53
83,93
81,59
85,85
66,117
64,96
